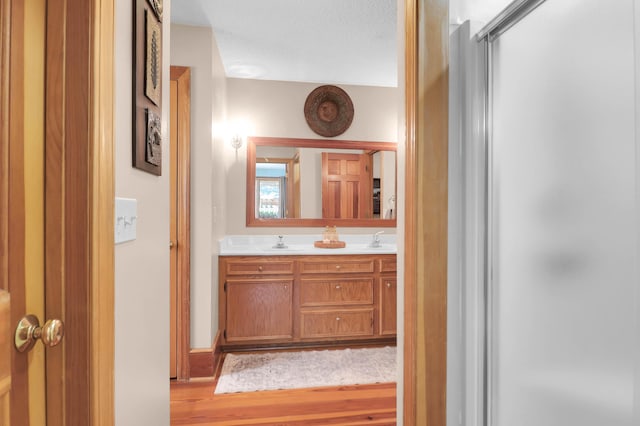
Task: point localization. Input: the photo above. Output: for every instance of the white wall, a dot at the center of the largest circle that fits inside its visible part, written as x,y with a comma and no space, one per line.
275,108
475,10
141,266
193,47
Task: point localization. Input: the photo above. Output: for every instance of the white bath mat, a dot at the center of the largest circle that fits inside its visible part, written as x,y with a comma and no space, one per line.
304,369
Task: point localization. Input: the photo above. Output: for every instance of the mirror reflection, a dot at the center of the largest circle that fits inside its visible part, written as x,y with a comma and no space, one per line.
302,182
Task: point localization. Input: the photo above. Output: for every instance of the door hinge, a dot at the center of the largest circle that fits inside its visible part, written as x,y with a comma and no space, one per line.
225,286
224,333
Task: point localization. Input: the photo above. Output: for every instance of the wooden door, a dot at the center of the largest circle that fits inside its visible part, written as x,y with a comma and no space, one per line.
56,252
5,356
180,212
346,186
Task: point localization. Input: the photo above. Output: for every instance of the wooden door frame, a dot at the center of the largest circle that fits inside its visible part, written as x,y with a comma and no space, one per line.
182,75
80,90
425,233
79,170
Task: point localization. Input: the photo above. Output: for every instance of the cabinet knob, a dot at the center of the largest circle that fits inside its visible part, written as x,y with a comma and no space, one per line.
388,284
337,318
337,266
338,287
260,268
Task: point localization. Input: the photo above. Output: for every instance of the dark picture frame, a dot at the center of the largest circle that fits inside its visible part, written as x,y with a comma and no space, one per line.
147,86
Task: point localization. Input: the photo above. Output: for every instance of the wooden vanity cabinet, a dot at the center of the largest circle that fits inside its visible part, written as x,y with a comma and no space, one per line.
256,299
306,300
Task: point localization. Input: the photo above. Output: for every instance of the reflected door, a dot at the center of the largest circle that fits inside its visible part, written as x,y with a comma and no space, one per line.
346,186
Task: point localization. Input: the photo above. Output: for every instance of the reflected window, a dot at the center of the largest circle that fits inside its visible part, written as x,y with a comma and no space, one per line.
271,183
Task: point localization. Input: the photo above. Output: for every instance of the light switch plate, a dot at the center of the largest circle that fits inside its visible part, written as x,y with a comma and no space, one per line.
126,219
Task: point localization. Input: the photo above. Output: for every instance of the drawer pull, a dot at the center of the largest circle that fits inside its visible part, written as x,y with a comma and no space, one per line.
338,267
338,287
260,268
337,318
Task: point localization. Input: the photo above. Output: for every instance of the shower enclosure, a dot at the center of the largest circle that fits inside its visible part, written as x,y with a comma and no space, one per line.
559,321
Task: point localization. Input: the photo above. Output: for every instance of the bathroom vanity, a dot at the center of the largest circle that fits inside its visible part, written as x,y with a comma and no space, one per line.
306,296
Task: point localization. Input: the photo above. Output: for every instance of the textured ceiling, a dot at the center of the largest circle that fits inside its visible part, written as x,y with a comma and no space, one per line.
319,41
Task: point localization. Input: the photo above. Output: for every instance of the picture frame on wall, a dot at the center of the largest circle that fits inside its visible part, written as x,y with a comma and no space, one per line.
147,86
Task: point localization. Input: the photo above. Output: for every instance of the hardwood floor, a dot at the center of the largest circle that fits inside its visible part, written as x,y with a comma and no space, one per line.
193,403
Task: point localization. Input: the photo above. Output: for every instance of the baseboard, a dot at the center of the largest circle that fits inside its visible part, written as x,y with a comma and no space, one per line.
218,356
205,362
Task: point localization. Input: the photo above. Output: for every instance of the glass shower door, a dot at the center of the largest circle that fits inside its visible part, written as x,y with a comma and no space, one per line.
563,218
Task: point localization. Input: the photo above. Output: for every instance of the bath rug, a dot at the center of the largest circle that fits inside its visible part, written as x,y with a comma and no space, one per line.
305,369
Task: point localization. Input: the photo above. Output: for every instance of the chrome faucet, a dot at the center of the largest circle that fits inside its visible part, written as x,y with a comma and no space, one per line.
280,244
376,239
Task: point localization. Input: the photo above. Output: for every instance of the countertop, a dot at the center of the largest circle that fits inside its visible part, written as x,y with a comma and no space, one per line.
263,245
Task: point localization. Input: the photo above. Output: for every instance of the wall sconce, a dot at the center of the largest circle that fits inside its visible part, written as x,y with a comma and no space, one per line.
235,141
236,133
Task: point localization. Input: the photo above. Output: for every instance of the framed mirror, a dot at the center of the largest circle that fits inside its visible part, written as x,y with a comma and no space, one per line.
320,182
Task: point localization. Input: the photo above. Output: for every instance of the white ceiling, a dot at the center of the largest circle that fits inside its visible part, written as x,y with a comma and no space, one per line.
319,41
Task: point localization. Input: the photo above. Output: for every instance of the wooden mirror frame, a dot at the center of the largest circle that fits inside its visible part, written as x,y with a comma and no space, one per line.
253,142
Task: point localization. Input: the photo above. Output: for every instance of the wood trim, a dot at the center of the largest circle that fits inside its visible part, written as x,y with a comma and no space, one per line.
201,363
79,167
324,143
426,212
102,191
206,362
410,320
183,76
218,356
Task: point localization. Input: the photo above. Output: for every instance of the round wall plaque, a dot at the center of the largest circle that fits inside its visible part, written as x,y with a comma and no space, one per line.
328,110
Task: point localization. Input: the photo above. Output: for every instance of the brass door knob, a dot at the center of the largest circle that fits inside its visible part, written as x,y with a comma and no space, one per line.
29,330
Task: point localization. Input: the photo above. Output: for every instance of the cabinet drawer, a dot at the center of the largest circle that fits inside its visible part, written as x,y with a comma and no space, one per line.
259,267
327,292
337,266
336,323
388,265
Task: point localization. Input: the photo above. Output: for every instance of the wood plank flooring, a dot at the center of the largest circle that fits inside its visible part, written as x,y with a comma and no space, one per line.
194,403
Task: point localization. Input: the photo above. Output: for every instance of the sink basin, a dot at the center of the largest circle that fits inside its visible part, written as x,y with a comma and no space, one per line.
281,250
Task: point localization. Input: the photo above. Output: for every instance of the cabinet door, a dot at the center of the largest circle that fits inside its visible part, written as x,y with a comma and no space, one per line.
388,305
259,310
